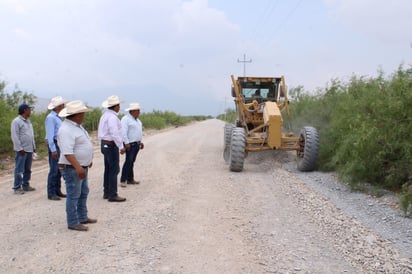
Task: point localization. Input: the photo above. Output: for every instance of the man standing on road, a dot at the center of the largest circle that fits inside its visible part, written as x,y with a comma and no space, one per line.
110,136
132,138
75,160
24,146
52,124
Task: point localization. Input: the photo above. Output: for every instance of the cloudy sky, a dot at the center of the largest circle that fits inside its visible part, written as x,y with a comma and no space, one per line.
178,55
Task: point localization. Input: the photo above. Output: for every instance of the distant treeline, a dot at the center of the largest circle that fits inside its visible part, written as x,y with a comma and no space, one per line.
365,127
9,102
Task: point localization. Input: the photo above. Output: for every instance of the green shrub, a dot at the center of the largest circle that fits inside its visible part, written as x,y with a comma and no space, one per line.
91,119
364,127
160,120
405,198
9,103
229,116
39,128
152,121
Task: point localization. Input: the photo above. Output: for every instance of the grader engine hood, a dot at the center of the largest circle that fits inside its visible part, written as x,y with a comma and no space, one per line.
273,119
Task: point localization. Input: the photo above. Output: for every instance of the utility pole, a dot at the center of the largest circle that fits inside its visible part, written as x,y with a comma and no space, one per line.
244,61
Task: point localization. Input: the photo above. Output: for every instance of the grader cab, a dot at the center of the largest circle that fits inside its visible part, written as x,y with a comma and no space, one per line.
260,102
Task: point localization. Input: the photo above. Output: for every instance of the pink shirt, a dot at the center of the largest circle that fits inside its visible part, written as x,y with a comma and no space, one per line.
110,128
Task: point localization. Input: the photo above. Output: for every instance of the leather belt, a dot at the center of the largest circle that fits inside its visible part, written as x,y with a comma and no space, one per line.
108,142
135,143
69,166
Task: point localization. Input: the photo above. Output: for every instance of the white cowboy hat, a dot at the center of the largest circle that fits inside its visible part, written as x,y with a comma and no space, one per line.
133,106
55,102
74,107
111,101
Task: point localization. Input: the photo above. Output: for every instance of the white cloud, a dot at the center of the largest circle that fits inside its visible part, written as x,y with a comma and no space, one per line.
196,17
135,48
16,6
21,33
388,22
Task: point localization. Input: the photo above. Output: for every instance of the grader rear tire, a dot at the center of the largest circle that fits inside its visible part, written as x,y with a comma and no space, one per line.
237,149
309,147
227,140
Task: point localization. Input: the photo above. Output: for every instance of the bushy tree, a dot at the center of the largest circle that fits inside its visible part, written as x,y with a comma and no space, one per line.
91,120
9,103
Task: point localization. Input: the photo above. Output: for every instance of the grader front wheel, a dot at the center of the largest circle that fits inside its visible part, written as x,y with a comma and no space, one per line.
309,147
237,149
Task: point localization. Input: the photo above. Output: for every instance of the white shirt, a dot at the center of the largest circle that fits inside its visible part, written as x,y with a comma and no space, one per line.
131,129
110,128
73,139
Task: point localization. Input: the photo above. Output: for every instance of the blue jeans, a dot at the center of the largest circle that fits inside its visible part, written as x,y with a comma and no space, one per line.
127,170
22,170
76,200
54,177
111,169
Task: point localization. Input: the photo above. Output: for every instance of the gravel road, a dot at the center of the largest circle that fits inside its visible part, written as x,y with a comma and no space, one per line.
190,214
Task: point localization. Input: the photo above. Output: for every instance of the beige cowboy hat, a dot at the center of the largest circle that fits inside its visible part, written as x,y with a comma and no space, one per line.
55,102
111,101
74,107
133,106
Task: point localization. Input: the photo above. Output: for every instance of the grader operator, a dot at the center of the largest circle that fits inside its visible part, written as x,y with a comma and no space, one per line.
260,102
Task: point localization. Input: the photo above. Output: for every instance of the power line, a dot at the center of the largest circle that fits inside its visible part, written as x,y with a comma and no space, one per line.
290,13
284,20
267,12
244,61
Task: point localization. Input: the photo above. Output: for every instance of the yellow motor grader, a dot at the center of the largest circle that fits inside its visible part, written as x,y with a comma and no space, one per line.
260,102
